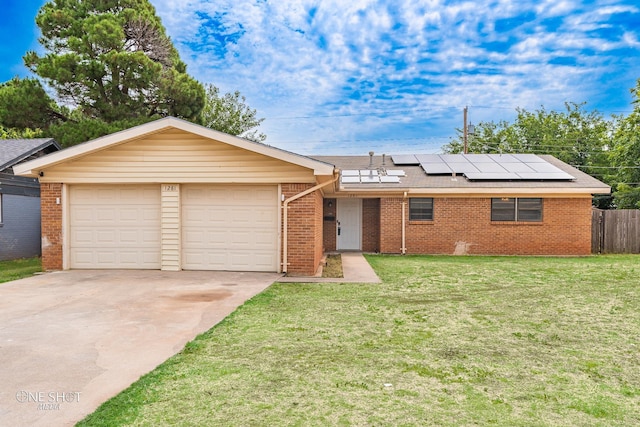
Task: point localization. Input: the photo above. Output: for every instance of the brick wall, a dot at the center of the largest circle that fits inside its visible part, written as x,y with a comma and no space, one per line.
371,225
304,230
391,225
51,225
463,225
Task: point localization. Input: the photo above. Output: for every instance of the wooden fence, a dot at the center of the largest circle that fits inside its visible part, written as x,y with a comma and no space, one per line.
615,231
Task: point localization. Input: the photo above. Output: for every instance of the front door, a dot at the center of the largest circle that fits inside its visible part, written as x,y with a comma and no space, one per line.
349,221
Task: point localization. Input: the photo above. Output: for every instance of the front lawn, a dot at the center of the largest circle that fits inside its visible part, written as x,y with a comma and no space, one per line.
17,269
444,341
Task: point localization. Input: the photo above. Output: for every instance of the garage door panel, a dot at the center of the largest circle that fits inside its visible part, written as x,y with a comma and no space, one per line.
230,227
115,226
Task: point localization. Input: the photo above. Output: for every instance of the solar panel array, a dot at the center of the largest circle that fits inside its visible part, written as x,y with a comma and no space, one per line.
485,166
371,176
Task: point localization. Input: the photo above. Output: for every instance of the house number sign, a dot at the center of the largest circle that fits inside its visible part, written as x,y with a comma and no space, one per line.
170,188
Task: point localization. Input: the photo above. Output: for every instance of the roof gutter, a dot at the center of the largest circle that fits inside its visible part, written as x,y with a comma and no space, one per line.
285,208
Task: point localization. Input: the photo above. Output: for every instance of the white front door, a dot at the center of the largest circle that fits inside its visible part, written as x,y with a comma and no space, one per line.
349,221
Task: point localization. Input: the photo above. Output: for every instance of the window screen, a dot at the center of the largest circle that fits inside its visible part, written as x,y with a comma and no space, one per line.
516,209
421,209
529,210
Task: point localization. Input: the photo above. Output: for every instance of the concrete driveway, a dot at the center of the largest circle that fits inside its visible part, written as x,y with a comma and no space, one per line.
71,340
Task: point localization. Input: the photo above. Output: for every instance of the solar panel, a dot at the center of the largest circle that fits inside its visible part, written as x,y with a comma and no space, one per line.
543,167
364,172
429,158
436,168
404,159
389,179
546,176
463,168
453,158
504,158
396,173
529,158
504,176
369,179
479,158
350,179
517,167
351,173
492,166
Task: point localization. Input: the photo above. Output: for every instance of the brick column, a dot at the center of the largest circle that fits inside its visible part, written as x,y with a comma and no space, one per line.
304,230
391,225
51,208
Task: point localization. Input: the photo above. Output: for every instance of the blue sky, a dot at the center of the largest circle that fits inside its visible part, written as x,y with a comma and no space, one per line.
392,76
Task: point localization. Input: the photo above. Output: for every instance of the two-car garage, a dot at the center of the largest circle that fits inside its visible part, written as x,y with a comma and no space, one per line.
222,227
173,195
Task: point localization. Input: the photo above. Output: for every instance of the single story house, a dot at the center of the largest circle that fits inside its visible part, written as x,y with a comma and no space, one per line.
20,198
173,195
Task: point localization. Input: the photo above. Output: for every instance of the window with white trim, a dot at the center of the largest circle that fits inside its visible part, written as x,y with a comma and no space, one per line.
516,209
421,209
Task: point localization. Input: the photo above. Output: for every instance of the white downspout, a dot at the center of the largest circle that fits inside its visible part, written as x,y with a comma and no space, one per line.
285,208
404,245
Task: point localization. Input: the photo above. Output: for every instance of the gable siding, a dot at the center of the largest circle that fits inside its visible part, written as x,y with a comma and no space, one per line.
180,157
20,227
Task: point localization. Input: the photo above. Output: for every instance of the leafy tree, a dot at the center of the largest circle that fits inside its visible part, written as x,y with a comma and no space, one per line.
230,114
113,61
12,133
25,104
625,156
575,136
86,129
112,66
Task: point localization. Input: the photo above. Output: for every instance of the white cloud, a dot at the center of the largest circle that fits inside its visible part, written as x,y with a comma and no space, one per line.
419,62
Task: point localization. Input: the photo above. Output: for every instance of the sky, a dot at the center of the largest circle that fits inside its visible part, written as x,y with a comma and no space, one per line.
389,76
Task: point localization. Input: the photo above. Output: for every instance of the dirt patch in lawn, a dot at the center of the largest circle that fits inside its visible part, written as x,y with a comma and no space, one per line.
333,267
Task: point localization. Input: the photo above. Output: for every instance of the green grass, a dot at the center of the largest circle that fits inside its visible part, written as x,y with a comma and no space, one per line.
17,269
444,341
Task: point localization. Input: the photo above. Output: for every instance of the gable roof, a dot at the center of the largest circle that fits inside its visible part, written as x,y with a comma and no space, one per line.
14,151
33,167
416,181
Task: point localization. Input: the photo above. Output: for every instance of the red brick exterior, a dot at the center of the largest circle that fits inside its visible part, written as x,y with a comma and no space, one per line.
391,225
371,225
305,235
50,195
464,226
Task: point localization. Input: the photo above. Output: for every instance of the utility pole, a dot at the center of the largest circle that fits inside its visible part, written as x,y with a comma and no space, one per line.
465,130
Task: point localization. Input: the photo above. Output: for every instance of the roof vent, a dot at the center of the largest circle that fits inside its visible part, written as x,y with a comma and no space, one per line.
371,153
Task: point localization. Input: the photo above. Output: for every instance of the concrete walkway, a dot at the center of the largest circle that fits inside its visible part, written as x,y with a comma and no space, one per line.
70,340
355,269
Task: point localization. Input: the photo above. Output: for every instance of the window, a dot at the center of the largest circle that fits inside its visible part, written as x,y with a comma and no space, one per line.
516,209
421,209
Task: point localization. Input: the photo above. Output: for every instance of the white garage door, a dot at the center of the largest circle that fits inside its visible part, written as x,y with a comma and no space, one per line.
229,227
114,226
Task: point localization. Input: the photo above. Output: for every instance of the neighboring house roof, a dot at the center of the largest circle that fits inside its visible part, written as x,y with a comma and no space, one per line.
14,151
32,168
415,181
